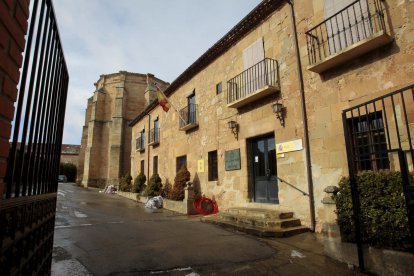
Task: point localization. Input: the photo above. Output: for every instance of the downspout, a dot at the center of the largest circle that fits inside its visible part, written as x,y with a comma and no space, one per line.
305,120
148,139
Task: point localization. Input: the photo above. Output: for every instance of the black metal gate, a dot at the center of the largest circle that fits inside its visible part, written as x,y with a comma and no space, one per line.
27,211
379,136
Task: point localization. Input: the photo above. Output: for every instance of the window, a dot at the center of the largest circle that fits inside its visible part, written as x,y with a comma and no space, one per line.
369,145
155,165
212,166
142,167
219,88
156,131
143,139
181,161
191,109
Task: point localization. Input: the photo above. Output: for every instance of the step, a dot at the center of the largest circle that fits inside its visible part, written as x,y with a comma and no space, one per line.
259,213
257,230
262,222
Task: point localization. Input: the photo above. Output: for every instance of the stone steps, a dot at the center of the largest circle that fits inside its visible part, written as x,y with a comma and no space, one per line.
259,222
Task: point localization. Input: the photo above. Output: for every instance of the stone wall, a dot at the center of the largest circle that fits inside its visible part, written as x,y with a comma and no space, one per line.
363,78
105,149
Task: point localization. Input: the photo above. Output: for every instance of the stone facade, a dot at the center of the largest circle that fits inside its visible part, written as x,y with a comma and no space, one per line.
70,154
105,146
359,78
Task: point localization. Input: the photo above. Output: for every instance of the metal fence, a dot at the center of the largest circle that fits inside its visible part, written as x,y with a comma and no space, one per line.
252,79
357,21
28,207
379,135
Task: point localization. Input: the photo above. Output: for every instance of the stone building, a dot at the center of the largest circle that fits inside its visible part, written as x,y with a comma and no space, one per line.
261,114
70,154
105,147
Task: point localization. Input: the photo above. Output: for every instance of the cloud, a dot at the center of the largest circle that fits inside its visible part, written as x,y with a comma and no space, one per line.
145,36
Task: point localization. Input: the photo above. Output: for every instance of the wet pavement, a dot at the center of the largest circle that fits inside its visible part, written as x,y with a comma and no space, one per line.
103,234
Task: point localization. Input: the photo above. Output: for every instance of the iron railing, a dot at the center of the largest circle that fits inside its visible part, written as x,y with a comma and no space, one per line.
188,115
154,136
252,79
379,135
357,21
27,210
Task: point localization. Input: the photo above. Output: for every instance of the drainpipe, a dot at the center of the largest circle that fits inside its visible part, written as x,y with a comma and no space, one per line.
304,119
148,146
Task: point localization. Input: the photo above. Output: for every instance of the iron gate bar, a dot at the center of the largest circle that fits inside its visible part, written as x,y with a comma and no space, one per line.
355,199
406,184
39,64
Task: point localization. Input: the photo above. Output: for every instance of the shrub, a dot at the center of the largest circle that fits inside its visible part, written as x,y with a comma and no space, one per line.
69,170
183,175
154,186
166,189
139,183
383,213
125,183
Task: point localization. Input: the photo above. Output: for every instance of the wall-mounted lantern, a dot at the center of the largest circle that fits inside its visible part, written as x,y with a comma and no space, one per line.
278,109
234,126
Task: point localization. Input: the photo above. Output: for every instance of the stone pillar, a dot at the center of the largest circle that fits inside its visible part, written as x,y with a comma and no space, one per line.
189,198
151,91
116,138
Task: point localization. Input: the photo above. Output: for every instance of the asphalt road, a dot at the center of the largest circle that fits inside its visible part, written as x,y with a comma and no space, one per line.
103,234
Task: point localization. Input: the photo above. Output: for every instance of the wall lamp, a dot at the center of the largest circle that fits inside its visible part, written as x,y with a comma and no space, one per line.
234,126
278,109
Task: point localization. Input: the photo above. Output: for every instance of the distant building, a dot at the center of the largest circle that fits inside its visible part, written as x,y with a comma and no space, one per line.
70,154
106,138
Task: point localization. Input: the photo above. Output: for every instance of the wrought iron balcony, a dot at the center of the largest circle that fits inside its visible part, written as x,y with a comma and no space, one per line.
254,83
140,143
357,29
154,136
188,117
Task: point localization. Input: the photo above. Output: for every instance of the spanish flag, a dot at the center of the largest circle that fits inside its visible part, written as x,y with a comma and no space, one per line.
162,100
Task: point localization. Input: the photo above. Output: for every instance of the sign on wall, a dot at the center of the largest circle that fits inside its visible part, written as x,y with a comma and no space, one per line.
232,160
289,146
200,166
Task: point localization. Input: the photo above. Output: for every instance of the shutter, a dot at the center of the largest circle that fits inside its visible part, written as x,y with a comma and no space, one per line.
340,34
253,54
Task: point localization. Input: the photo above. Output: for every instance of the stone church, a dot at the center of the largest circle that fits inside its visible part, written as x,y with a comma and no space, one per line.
105,153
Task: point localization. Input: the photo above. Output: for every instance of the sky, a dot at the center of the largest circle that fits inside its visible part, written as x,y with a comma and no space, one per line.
162,37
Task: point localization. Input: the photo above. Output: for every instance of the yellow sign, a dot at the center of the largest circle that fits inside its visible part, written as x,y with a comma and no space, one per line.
289,146
200,165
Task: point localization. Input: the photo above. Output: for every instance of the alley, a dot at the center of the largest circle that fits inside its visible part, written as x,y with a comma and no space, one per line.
102,234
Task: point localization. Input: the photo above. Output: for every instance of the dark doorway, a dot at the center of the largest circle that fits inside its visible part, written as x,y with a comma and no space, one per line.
264,172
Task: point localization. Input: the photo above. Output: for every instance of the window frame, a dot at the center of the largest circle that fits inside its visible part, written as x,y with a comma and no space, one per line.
212,166
179,163
369,145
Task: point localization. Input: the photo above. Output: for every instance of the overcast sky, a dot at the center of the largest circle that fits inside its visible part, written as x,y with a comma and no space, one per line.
162,37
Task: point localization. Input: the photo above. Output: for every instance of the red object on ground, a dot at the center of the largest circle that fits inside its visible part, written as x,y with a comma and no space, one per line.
205,206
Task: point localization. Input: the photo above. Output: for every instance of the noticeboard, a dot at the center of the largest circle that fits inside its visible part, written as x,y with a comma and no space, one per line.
232,160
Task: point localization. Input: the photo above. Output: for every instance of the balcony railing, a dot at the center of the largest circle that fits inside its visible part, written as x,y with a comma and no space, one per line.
154,136
254,83
188,117
351,32
140,143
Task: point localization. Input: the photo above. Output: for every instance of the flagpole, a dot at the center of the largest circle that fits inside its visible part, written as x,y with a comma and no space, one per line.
173,106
